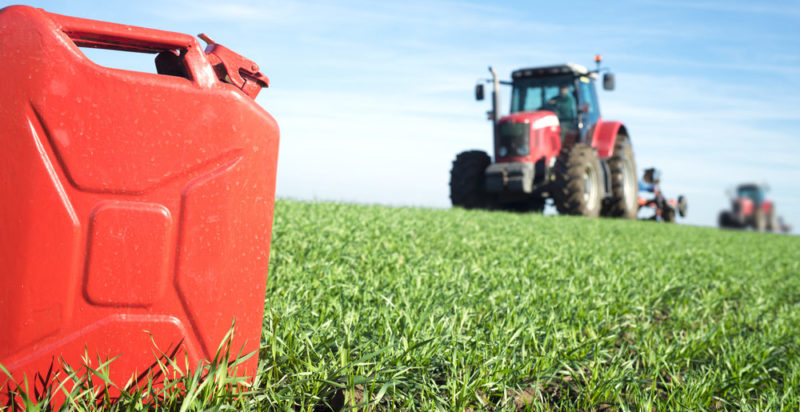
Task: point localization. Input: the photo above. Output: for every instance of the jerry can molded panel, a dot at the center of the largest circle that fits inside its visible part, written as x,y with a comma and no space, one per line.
127,255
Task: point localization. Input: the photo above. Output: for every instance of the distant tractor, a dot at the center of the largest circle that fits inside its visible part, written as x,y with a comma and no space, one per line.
553,144
751,209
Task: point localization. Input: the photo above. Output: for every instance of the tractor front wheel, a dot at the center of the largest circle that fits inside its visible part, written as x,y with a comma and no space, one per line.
624,186
467,180
578,181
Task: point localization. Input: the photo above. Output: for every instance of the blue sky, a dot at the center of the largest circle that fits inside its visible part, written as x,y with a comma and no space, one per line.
374,99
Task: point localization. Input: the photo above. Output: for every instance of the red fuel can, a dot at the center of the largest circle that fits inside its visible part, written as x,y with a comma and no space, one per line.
135,208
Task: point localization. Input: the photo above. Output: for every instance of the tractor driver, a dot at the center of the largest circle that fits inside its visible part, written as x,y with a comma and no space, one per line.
564,105
566,110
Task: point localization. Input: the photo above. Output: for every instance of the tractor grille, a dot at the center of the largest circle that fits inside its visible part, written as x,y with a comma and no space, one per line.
513,139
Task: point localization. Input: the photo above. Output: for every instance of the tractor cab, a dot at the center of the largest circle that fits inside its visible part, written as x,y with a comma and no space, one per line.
753,192
567,90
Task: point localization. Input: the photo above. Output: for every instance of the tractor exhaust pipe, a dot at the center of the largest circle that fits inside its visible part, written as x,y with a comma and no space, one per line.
495,100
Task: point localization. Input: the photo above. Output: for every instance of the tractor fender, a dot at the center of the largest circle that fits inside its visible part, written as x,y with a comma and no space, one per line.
767,206
605,136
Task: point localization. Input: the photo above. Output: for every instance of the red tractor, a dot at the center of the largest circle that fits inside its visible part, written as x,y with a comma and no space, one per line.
750,208
553,144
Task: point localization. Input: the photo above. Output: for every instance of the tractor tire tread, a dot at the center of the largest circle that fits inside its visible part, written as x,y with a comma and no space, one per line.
569,183
467,179
615,205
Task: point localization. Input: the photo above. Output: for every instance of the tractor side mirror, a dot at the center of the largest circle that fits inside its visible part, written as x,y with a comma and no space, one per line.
608,81
478,92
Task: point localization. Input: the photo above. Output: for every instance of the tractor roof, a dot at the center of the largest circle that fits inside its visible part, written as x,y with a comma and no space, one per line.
749,186
560,69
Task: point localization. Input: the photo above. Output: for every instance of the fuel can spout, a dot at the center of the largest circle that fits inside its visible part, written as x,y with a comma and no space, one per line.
234,68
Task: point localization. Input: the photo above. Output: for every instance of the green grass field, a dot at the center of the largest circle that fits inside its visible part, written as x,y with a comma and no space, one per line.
419,309
451,309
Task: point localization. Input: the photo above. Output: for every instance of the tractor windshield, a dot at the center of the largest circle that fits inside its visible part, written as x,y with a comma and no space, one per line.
754,193
555,93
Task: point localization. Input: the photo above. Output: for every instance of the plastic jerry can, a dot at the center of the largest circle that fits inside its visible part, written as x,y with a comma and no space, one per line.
135,208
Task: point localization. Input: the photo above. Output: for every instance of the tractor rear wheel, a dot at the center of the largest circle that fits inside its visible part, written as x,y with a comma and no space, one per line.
467,180
624,186
726,220
772,222
760,221
578,187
